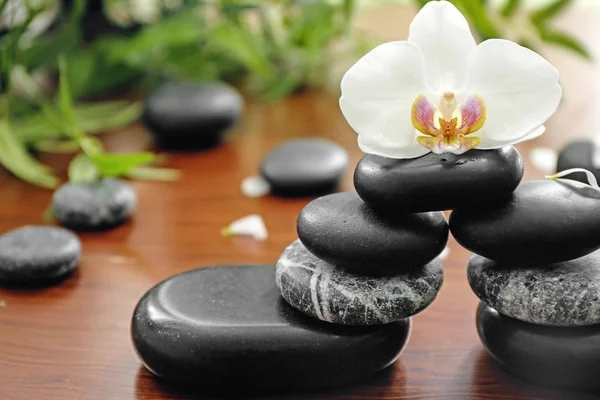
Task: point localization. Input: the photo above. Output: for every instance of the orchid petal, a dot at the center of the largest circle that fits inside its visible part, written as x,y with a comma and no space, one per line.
392,150
472,114
442,33
520,88
255,186
487,144
377,94
423,116
251,225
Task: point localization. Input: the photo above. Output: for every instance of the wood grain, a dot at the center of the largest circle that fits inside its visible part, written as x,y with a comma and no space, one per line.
71,342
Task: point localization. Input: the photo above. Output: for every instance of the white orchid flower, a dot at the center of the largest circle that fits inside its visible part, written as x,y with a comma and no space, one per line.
441,92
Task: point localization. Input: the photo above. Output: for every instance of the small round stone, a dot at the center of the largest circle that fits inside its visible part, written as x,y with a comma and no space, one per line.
37,254
332,294
342,230
188,116
543,222
304,167
546,355
102,204
436,182
579,154
560,294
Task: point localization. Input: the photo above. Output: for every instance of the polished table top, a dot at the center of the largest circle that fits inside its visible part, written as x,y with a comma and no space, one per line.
72,341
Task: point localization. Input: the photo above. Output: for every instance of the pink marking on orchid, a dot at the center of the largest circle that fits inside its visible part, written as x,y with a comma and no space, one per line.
450,137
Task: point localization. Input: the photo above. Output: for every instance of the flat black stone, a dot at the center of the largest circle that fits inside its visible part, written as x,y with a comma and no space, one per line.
546,355
191,116
342,230
578,154
562,294
335,295
543,222
304,167
98,205
436,182
35,255
228,327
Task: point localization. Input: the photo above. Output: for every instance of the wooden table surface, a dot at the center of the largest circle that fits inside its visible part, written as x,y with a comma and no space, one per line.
71,342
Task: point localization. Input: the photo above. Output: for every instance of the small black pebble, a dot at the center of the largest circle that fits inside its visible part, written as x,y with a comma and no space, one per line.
191,116
98,205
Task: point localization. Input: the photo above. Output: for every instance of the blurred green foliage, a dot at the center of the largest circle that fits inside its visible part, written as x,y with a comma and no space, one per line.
56,55
517,21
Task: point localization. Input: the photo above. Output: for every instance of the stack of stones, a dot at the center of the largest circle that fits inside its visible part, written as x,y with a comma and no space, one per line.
536,270
371,257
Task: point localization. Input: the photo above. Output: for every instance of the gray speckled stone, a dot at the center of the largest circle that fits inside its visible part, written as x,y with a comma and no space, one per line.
560,294
331,294
36,254
97,205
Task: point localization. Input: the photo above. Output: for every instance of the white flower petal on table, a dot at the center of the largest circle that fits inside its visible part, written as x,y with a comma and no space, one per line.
487,144
255,186
251,225
520,88
442,33
378,91
544,159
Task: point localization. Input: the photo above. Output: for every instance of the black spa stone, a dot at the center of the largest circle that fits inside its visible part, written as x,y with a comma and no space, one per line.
579,154
335,295
228,327
304,167
436,182
37,255
191,116
543,222
546,355
342,230
98,205
561,294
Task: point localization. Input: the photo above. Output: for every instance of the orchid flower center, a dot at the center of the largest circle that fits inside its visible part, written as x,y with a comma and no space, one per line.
447,126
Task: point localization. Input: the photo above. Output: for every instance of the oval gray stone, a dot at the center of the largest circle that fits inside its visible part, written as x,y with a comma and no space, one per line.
579,154
436,182
191,116
103,204
37,254
332,294
543,222
371,243
304,167
560,294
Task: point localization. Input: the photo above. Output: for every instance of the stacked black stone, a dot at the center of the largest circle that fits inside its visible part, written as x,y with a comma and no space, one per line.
370,258
536,269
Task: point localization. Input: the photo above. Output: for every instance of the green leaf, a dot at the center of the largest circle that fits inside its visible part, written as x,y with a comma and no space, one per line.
565,40
57,146
82,169
49,215
15,158
243,46
64,95
545,13
477,14
120,164
153,174
510,7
